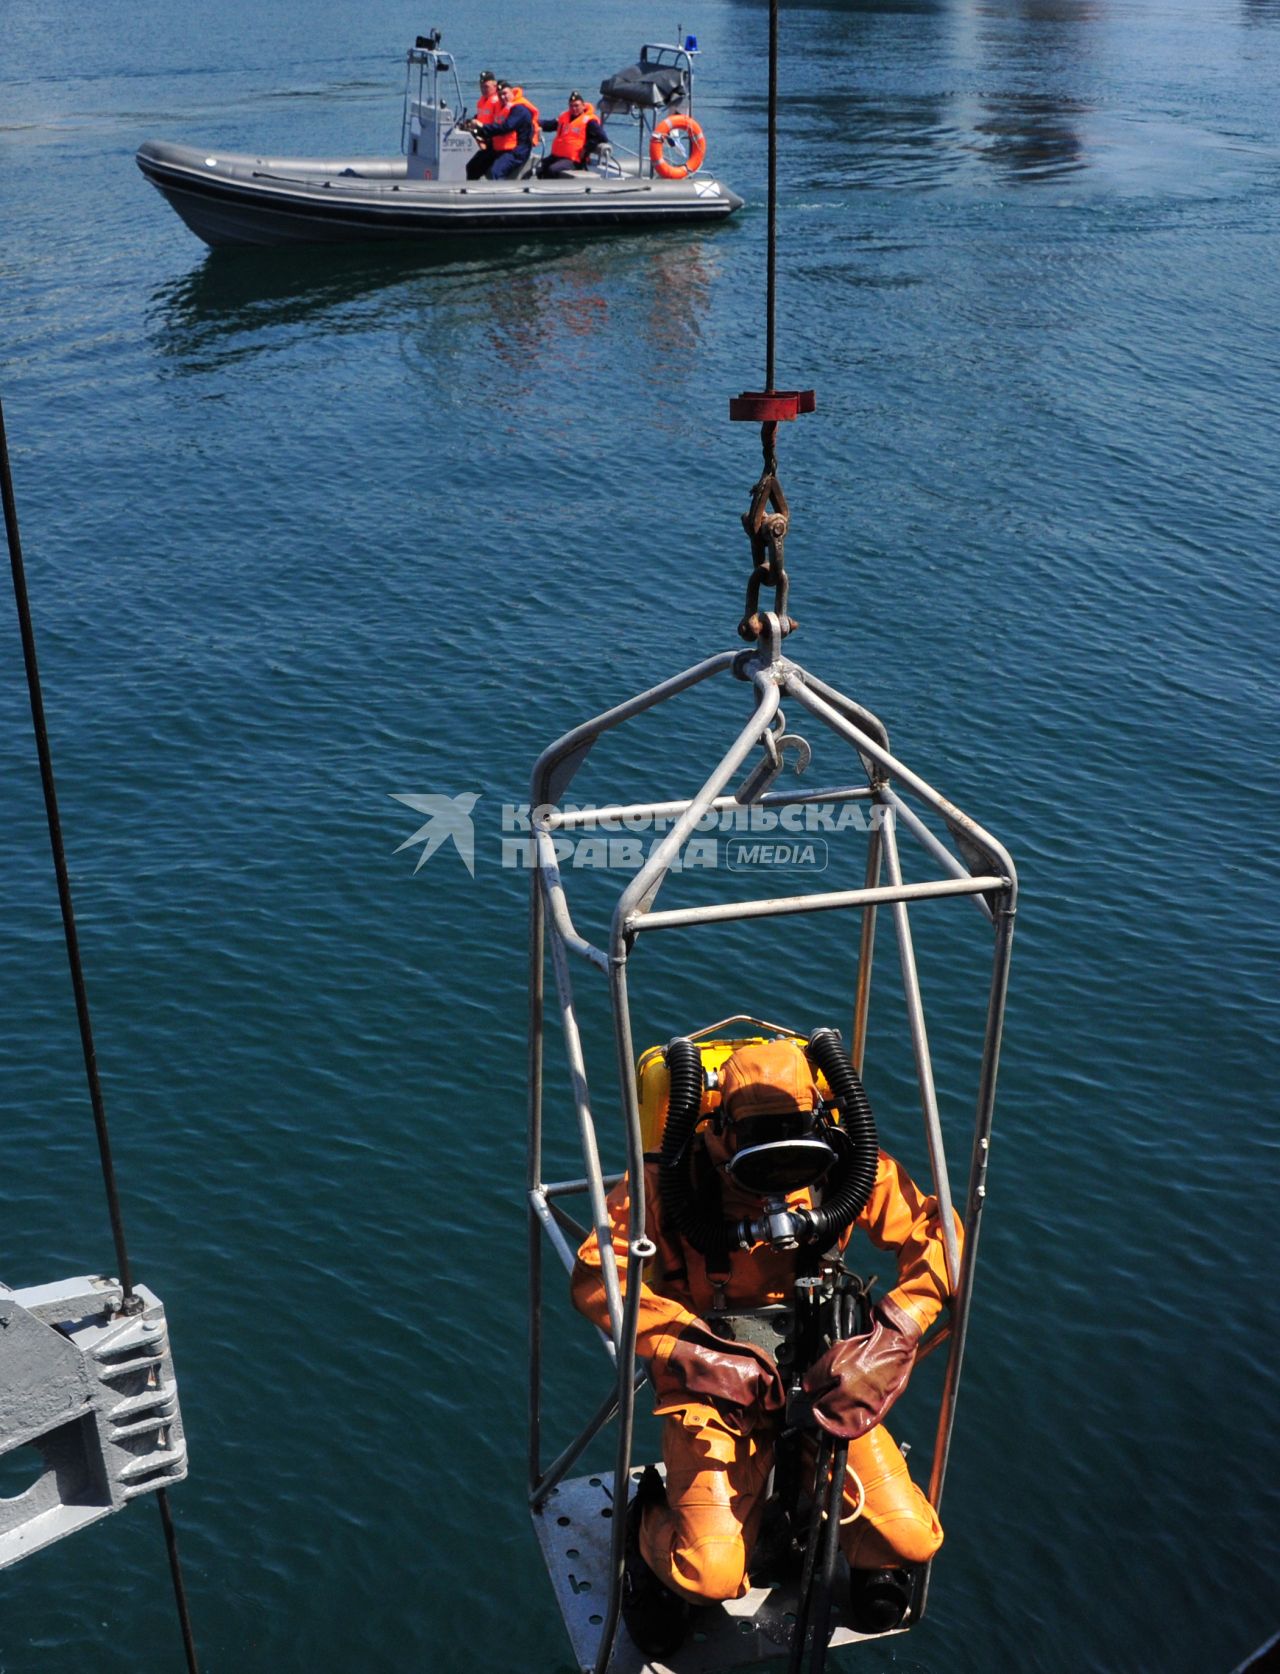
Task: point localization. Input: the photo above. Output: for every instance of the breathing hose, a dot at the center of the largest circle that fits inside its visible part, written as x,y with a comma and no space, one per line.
854,1176
703,1227
700,1222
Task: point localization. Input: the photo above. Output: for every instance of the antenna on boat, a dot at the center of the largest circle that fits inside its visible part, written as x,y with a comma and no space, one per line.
130,1434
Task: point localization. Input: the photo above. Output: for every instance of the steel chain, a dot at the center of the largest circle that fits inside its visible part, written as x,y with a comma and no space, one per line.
766,522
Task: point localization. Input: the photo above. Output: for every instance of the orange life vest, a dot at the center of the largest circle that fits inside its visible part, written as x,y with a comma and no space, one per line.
571,134
533,111
507,142
490,109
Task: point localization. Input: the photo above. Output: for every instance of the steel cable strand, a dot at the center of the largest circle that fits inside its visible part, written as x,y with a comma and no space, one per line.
769,432
131,1303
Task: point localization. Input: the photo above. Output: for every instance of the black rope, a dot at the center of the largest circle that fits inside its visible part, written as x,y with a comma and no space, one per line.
60,867
771,287
131,1303
179,1586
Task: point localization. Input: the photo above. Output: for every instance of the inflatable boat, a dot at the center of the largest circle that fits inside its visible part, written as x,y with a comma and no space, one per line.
236,198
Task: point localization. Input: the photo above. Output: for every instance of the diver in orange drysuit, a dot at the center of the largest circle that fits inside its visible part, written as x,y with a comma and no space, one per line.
723,1400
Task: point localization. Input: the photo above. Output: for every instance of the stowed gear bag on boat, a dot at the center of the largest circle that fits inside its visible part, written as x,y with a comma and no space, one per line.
649,86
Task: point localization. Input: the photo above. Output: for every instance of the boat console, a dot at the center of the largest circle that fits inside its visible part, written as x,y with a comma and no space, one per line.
435,146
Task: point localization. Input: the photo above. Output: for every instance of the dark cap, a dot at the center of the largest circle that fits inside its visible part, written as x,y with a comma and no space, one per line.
487,75
576,95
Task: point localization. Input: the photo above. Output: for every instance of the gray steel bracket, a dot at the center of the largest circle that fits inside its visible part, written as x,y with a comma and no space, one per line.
92,1391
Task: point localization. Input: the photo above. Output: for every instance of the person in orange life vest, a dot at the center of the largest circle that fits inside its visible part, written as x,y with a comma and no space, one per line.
723,1400
488,109
578,133
513,135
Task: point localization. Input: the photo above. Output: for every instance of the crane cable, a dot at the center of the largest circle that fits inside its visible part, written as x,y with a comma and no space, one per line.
771,261
131,1302
768,517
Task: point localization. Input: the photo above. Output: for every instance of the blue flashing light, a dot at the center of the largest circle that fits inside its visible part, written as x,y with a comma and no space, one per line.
691,43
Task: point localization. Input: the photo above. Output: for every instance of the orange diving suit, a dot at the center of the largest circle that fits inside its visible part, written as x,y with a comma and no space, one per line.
722,1400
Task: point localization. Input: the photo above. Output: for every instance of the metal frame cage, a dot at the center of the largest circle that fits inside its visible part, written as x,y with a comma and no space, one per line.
977,868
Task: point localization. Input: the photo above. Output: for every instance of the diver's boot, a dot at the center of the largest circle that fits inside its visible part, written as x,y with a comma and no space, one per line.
656,1618
878,1598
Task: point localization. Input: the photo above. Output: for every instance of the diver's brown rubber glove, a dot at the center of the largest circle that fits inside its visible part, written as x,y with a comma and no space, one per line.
739,1378
853,1385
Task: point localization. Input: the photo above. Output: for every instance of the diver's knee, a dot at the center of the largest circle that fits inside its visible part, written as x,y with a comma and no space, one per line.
912,1538
916,1541
714,1567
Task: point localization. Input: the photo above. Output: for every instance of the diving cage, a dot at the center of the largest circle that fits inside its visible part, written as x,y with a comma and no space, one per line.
580,1522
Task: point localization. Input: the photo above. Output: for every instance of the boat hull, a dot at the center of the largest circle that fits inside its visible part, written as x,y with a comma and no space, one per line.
227,198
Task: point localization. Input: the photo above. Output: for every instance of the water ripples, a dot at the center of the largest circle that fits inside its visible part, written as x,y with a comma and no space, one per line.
309,530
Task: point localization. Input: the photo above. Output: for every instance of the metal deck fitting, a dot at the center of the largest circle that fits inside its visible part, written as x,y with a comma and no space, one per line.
92,1392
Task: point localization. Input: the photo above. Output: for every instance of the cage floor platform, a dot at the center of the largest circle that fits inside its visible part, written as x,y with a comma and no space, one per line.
575,1528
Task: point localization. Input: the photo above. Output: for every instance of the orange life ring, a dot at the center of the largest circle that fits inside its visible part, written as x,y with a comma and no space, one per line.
697,148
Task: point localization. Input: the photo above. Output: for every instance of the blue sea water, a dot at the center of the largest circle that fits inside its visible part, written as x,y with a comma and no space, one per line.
307,530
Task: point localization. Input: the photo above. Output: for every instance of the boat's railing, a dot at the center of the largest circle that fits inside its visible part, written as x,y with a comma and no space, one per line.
611,160
974,867
608,163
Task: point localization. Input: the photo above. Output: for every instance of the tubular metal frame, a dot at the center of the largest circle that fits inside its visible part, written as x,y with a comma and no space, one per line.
983,873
